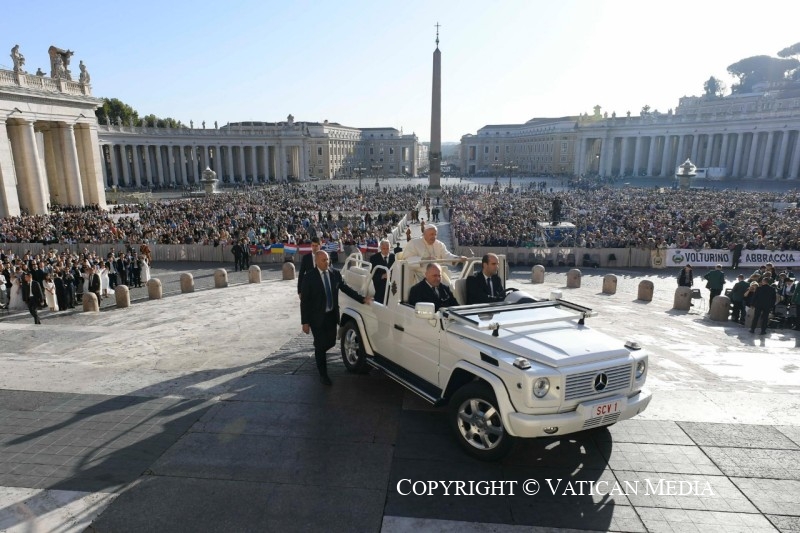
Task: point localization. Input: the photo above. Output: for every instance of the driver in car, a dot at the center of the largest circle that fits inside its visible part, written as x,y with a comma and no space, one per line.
486,286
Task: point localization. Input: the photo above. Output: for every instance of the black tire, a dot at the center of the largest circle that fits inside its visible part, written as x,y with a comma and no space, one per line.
476,422
353,355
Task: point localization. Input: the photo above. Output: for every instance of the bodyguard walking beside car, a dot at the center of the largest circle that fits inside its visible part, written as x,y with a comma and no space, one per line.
319,308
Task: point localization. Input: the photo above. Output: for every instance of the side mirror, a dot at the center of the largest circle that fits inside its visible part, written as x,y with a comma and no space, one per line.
425,310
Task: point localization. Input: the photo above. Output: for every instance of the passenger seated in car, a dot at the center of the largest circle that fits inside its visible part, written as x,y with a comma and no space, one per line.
431,289
486,286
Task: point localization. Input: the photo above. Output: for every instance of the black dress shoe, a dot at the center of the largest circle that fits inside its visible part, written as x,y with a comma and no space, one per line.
325,380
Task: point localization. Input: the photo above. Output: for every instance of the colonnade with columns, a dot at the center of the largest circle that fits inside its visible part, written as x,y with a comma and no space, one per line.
48,162
137,164
744,153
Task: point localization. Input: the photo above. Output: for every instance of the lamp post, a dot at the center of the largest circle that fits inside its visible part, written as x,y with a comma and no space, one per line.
497,167
511,168
360,171
376,170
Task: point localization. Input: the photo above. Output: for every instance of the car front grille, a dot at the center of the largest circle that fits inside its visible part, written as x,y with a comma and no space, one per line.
582,384
600,421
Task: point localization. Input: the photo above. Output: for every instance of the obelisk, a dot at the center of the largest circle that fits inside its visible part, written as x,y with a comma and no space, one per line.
435,152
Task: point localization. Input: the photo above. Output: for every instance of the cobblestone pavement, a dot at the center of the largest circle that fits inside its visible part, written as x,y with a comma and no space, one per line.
202,412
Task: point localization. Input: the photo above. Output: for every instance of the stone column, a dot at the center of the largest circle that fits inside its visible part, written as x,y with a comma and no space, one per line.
637,155
579,160
114,165
679,157
751,164
242,167
253,163
765,163
709,150
737,155
666,157
148,167
265,162
218,161
606,153
30,183
282,163
651,156
794,166
303,160
137,170
126,165
229,160
160,164
695,144
623,157
54,165
182,162
91,176
72,174
779,173
723,156
9,202
106,171
171,162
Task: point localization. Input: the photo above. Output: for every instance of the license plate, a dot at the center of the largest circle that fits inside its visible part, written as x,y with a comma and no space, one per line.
608,408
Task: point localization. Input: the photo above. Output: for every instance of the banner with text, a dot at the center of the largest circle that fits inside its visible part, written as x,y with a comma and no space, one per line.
749,258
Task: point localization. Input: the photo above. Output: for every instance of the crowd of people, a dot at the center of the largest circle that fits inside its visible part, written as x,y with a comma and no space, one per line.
627,217
259,215
63,277
771,294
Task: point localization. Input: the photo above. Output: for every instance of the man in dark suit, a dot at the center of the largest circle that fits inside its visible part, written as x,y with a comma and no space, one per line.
32,295
319,308
486,286
383,258
94,282
432,290
763,302
307,263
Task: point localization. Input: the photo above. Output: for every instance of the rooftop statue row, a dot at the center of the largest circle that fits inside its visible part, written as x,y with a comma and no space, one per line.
59,64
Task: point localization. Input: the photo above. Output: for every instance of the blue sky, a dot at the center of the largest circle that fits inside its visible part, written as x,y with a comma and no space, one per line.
368,63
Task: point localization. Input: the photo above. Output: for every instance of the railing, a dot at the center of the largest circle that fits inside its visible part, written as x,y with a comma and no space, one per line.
11,78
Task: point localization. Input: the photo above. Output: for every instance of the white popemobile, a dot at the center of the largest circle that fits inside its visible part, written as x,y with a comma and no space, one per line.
506,369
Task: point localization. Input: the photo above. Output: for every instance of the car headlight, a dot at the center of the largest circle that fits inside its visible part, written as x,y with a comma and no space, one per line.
540,387
641,366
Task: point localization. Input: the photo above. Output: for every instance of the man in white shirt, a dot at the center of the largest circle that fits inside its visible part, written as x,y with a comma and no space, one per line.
429,247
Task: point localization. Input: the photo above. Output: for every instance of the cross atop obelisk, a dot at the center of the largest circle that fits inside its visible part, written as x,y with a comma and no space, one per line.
435,152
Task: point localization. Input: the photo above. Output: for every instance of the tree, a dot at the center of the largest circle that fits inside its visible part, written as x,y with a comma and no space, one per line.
645,111
791,51
115,110
714,88
758,69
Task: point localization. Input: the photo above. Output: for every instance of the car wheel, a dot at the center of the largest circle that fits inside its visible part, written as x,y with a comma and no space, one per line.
477,424
353,356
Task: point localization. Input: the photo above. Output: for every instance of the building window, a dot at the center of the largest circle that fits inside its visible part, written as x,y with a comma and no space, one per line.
485,149
371,151
563,146
391,151
319,150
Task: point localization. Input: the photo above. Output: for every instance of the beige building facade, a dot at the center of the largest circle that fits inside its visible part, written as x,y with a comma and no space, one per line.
252,152
48,138
748,136
539,146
